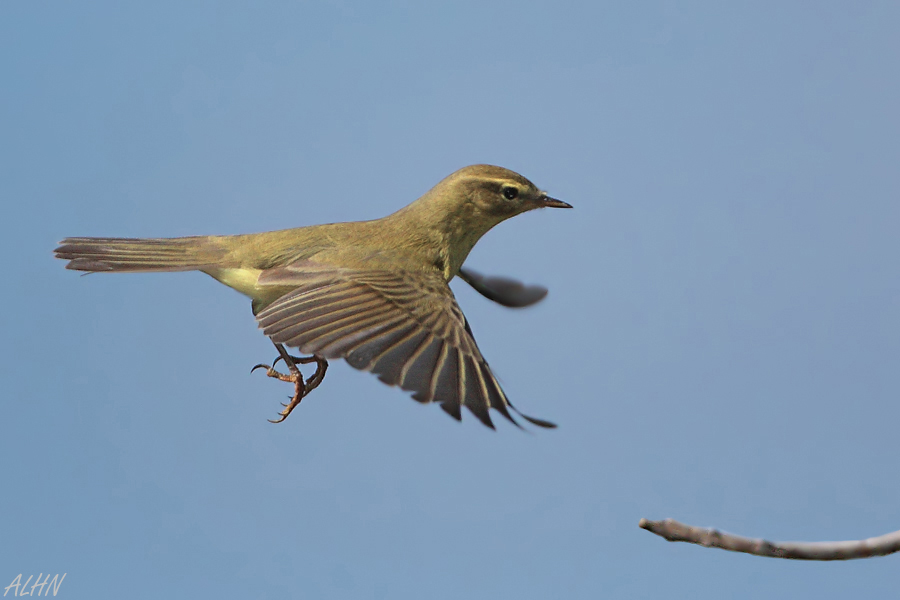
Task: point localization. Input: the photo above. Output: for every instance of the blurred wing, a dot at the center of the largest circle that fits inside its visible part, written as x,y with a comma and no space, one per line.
403,326
501,290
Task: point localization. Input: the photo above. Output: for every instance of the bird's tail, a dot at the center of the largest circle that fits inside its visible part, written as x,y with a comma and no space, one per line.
139,255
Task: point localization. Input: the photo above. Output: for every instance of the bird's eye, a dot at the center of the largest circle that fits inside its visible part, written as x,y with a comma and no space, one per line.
510,193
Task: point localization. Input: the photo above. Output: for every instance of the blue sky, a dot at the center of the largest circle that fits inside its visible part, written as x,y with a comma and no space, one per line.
720,343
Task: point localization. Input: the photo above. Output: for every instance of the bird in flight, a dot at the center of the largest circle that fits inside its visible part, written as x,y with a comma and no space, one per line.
374,293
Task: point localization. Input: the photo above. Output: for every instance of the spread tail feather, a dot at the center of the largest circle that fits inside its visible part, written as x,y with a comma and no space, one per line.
139,255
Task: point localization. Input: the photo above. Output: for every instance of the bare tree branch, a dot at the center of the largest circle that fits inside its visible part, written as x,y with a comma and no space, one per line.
674,531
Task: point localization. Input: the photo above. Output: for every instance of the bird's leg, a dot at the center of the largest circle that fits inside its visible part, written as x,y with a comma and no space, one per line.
321,366
301,387
314,381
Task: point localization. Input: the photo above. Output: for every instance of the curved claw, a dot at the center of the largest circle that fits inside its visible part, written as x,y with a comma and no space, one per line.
301,387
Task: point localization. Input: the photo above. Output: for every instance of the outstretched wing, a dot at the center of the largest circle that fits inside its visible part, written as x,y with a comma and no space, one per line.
503,290
403,326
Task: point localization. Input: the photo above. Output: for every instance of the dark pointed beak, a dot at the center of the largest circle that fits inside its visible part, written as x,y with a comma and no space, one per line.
553,202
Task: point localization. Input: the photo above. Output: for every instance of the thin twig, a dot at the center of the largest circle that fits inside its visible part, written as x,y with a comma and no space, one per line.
674,531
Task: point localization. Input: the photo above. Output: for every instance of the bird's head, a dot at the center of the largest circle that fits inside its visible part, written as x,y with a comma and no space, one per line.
468,203
493,194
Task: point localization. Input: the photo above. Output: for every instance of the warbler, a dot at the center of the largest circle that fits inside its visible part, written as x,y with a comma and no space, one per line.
374,293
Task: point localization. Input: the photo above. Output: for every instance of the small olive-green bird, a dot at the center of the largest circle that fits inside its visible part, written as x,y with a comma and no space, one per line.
374,293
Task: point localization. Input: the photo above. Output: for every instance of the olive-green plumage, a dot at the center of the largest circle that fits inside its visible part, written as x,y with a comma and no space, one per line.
372,292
